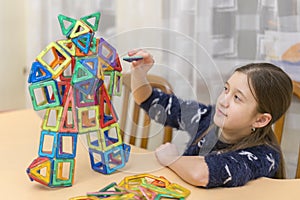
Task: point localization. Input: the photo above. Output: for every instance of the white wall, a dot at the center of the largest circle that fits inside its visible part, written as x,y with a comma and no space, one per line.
148,14
12,54
134,18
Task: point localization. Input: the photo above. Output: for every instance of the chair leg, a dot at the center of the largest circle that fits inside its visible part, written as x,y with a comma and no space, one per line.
124,112
298,165
145,132
136,115
168,134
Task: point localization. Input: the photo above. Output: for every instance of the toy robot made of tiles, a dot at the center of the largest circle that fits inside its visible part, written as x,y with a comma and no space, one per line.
68,81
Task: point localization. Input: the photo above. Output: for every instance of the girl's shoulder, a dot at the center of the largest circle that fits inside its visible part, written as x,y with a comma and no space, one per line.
237,167
263,148
258,152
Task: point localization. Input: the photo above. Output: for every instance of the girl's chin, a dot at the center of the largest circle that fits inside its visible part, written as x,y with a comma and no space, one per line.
219,121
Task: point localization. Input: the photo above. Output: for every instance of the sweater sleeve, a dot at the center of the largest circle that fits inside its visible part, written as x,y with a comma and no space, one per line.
236,168
172,111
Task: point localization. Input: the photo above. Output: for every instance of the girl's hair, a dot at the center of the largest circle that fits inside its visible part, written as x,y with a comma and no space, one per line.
272,89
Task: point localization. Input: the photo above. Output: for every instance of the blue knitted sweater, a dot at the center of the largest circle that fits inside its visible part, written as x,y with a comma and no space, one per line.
229,169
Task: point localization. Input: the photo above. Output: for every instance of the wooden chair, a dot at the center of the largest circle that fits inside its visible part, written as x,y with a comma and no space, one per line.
133,113
279,125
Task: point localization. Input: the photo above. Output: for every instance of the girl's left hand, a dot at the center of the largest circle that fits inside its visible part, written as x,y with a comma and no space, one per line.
166,154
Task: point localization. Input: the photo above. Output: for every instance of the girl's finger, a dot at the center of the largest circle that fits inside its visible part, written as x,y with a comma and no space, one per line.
133,52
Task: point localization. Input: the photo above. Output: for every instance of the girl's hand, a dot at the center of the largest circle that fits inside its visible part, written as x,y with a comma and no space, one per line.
140,86
144,64
166,154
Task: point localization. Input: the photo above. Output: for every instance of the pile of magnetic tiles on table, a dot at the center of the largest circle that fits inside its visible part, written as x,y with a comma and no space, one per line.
69,94
142,186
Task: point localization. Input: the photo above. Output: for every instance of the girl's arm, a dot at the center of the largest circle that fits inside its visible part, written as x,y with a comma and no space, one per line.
229,169
192,169
165,109
169,110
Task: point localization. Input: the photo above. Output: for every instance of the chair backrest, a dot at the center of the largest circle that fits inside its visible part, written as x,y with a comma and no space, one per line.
296,91
279,126
133,113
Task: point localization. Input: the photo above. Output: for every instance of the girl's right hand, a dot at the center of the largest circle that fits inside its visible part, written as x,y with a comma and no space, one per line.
144,64
140,86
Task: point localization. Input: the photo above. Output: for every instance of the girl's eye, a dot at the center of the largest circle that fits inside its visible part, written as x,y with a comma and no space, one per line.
237,97
226,90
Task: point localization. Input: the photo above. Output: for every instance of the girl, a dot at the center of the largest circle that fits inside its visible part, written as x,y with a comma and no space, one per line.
232,142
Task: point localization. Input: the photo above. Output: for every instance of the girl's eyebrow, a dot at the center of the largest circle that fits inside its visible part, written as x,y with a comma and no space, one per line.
238,90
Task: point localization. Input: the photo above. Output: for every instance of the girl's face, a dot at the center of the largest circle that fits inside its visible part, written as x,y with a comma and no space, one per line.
236,108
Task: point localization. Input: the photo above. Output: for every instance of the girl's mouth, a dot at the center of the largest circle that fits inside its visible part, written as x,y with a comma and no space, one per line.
221,112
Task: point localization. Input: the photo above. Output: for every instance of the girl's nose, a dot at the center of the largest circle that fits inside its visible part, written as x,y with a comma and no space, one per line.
224,100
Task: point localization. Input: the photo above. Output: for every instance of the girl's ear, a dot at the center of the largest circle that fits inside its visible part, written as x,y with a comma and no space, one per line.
262,120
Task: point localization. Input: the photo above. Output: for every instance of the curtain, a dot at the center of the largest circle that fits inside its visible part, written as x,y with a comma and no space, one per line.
43,25
197,43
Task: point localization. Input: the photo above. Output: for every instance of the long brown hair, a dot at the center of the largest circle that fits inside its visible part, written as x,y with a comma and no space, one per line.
272,89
